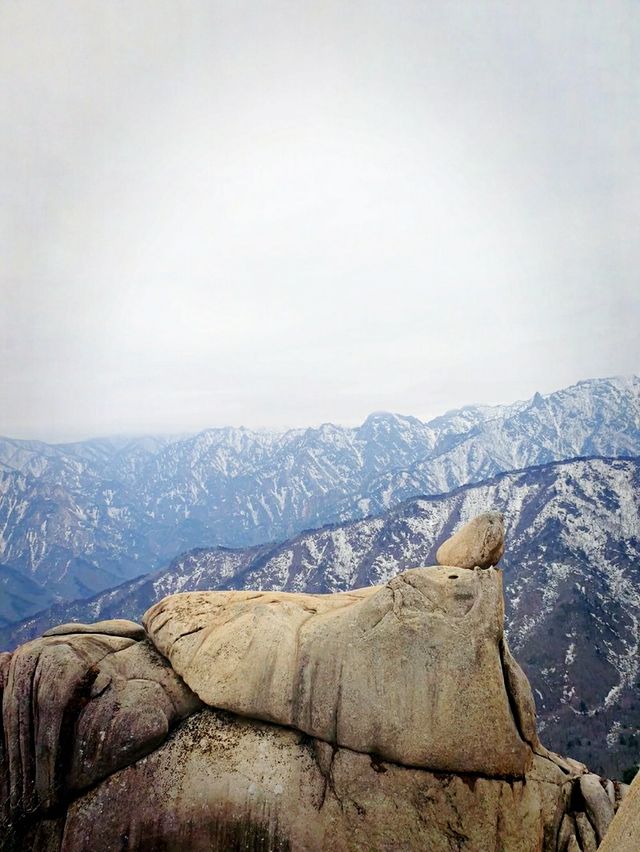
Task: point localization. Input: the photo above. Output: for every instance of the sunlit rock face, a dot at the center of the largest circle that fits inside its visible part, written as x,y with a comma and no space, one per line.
390,717
410,671
624,831
480,543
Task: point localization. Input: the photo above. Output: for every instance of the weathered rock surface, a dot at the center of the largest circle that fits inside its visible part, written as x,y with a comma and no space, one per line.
113,627
222,783
623,834
585,833
480,543
598,805
403,722
75,709
413,671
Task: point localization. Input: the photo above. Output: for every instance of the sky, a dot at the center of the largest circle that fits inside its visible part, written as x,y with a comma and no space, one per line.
277,214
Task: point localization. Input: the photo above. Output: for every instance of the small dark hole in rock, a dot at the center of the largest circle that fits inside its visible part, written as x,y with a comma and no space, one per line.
453,576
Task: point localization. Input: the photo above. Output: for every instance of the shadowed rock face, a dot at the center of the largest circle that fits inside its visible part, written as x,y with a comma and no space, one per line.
224,780
391,717
411,671
77,708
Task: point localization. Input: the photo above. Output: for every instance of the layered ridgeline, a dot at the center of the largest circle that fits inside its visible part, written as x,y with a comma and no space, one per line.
386,717
79,518
571,571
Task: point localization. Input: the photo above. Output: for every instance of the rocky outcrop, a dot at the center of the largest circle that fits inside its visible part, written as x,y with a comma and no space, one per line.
227,783
480,543
387,718
623,834
77,708
410,671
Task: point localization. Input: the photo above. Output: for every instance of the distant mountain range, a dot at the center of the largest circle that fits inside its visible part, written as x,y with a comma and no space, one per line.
572,576
76,519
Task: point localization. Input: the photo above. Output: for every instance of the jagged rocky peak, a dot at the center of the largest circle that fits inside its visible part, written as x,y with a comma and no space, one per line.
388,717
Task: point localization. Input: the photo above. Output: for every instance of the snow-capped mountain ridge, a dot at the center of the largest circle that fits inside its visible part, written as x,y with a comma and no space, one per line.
78,518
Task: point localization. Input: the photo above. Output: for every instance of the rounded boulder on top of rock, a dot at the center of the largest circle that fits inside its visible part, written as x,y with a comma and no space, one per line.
480,543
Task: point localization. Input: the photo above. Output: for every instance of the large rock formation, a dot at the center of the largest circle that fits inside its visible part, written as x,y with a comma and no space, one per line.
411,671
388,718
227,783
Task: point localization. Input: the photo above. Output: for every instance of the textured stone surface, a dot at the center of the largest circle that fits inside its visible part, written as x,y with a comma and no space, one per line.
5,659
480,543
113,627
586,834
567,831
611,792
623,834
227,783
412,671
77,708
423,724
598,807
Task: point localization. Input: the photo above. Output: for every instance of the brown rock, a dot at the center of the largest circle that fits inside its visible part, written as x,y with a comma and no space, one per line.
5,659
417,671
112,627
567,831
624,832
222,782
413,671
76,708
621,791
480,543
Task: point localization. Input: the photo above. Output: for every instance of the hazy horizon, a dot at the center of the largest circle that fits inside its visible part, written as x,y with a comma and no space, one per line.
293,427
278,215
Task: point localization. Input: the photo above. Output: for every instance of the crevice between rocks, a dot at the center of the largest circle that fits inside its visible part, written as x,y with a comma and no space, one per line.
512,699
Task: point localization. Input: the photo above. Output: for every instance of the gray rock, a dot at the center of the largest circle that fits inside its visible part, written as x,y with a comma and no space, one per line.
587,835
222,782
77,708
599,808
611,792
567,831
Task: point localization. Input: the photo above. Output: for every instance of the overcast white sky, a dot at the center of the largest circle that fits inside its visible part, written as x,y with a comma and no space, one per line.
281,213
